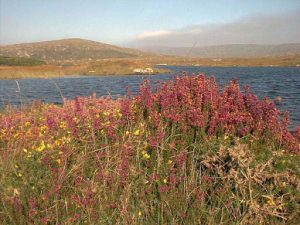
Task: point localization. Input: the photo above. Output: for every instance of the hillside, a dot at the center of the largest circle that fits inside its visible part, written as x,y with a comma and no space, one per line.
229,51
68,49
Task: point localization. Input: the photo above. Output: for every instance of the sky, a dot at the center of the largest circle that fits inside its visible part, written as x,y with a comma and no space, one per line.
137,23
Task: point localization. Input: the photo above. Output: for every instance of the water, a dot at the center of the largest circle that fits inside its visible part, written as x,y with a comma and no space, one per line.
264,81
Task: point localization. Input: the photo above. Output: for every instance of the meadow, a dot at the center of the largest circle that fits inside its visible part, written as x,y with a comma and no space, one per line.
180,152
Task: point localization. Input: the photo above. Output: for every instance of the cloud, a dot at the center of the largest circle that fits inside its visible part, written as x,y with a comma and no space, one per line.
253,29
151,34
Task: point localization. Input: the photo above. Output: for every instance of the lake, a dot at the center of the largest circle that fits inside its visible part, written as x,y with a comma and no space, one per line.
274,82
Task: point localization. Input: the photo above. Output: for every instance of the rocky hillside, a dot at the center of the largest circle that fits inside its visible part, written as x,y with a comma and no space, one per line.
68,49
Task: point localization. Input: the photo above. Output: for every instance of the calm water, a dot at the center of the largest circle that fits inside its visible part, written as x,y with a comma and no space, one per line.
264,81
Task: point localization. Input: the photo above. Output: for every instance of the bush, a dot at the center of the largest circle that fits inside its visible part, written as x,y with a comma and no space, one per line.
186,153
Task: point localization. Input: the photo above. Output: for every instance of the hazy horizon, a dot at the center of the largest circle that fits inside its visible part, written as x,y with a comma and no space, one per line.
157,23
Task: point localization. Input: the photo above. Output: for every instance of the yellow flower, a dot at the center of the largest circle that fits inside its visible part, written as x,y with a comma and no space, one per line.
43,129
57,142
58,161
170,161
137,133
146,156
127,132
27,124
105,113
63,125
16,192
41,147
20,175
165,181
226,137
140,213
270,201
75,119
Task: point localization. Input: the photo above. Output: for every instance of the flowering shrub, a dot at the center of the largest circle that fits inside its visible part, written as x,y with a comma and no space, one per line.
186,153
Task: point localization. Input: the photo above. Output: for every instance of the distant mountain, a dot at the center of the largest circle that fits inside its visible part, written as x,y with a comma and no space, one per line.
229,51
68,49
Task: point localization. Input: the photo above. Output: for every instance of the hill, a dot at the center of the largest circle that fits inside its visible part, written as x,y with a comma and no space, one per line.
68,49
229,51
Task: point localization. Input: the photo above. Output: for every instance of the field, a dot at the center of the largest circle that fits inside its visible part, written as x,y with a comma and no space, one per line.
125,66
180,152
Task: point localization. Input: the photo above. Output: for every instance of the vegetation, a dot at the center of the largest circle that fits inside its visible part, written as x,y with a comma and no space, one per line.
126,66
84,57
68,49
183,152
19,61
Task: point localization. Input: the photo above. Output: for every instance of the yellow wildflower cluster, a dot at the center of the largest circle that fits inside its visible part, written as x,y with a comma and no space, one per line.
75,119
106,113
136,132
41,147
43,130
145,155
63,125
270,201
118,113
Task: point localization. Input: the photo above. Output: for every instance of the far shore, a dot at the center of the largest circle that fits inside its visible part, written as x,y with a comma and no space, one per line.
119,67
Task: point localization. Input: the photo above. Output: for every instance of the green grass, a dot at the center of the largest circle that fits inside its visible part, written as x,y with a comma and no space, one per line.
19,61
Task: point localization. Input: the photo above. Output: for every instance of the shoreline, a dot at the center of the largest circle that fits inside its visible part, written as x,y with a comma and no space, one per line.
128,66
41,74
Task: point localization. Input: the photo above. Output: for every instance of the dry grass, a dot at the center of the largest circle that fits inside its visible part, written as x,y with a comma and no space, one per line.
126,66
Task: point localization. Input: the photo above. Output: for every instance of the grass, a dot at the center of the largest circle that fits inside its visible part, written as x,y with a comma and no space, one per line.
125,66
19,61
183,152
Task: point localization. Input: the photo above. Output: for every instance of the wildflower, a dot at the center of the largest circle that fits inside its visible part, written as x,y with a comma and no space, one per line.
270,201
140,213
165,181
58,161
127,132
43,129
170,161
63,125
106,113
41,147
27,124
137,133
146,155
19,175
16,192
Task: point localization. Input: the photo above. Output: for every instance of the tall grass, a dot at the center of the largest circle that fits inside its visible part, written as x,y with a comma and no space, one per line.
183,152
